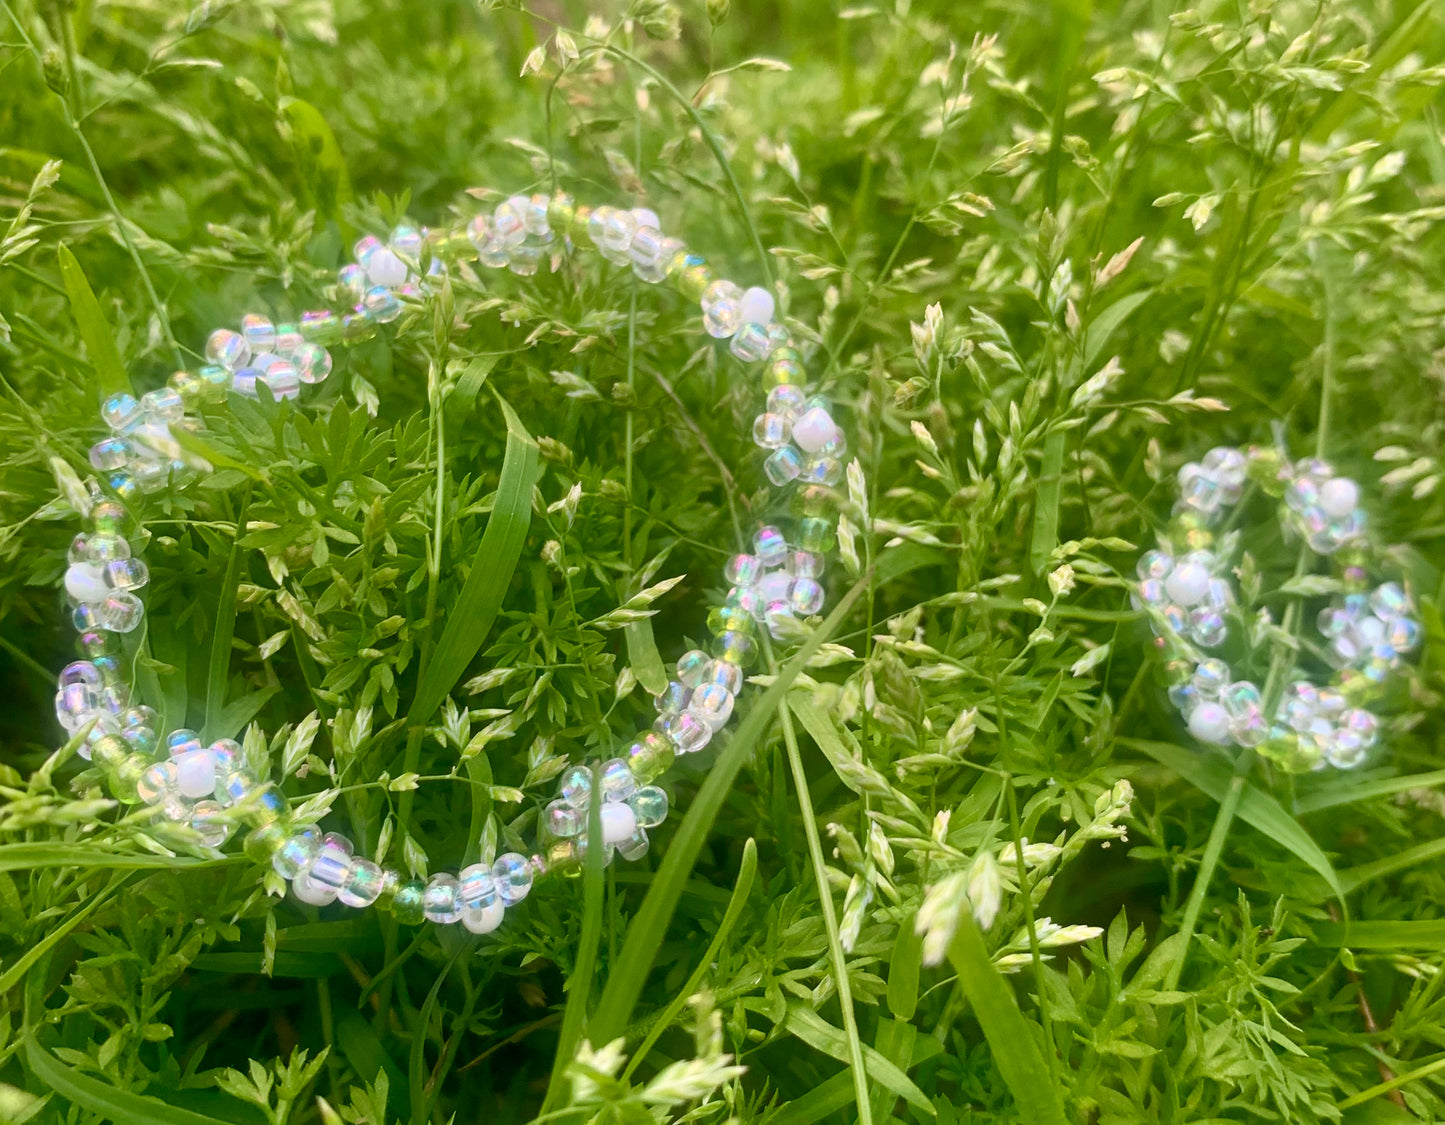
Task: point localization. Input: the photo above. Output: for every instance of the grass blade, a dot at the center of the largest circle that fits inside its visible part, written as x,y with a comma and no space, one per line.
101,1097
642,654
836,956
110,376
29,857
317,155
363,1049
286,965
746,872
1350,791
1015,1052
495,559
644,936
903,967
815,1105
416,1060
239,712
1425,933
815,1031
1046,502
1103,326
1354,877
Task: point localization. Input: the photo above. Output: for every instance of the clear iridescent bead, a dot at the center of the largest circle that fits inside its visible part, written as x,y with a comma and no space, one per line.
771,431
616,780
751,343
743,570
649,805
476,888
720,308
806,597
687,732
512,874
227,348
363,885
1210,678
725,675
576,786
771,546
713,704
783,466
258,332
787,400
297,853
672,699
440,900
563,820
692,667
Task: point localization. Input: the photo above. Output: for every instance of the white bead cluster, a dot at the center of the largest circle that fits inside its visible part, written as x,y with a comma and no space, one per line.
628,809
1216,483
141,446
1324,508
385,272
1370,632
805,443
1319,725
194,783
776,584
101,581
1188,596
324,869
281,357
1218,710
1326,730
518,234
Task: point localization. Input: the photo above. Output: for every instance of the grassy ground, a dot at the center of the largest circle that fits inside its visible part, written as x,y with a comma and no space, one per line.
968,210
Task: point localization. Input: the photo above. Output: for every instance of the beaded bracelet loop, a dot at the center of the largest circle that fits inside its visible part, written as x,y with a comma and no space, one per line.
210,789
1365,630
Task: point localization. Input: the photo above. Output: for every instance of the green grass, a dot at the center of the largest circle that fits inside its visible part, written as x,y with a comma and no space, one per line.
1043,253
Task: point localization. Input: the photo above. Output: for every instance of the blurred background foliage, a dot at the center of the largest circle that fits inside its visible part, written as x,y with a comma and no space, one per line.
1043,252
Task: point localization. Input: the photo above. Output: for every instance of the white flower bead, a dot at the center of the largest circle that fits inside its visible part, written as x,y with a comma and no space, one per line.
814,429
1187,584
618,822
196,773
385,268
485,919
85,582
1209,722
1339,497
757,306
1369,631
776,586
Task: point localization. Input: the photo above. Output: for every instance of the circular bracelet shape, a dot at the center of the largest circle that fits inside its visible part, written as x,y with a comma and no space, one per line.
1364,631
213,790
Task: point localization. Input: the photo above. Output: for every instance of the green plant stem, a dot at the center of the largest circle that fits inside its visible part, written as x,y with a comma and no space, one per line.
830,920
1395,1083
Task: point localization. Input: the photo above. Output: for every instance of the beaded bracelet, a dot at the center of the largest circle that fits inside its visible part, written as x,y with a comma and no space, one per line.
210,789
1185,589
